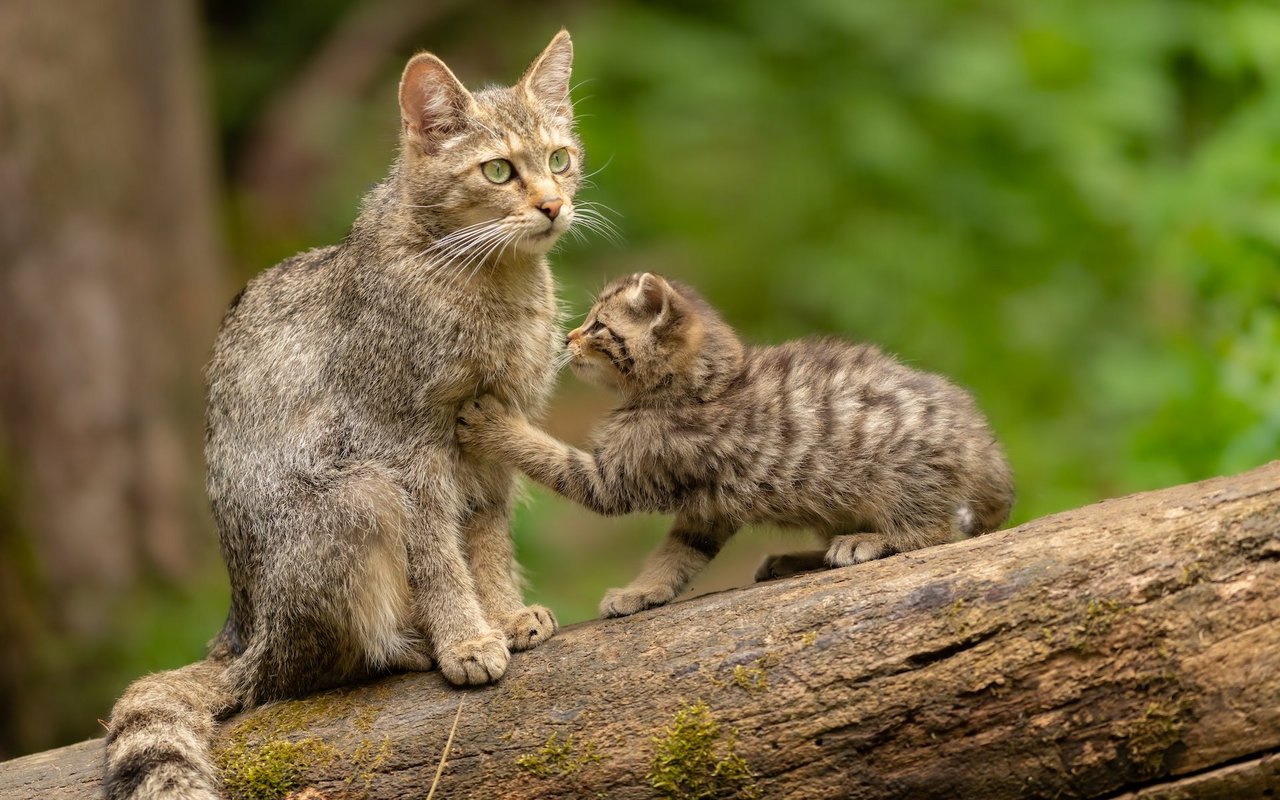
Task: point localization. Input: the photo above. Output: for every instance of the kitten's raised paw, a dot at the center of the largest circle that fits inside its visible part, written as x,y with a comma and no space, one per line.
481,659
629,600
857,548
530,627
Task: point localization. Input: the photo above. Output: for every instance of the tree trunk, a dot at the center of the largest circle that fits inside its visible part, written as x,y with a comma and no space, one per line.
1130,646
110,290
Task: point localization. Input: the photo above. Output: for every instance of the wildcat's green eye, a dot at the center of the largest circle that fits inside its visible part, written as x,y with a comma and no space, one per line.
559,160
498,170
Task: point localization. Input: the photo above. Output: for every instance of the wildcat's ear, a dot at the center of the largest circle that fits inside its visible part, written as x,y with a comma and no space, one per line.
653,296
546,81
433,103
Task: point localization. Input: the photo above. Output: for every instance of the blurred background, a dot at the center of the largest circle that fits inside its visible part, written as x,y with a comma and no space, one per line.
1070,206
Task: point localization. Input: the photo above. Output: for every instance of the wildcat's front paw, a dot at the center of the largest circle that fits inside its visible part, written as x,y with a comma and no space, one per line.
530,627
480,659
479,419
626,601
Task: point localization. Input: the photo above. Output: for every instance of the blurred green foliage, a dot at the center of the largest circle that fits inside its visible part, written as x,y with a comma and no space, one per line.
1070,206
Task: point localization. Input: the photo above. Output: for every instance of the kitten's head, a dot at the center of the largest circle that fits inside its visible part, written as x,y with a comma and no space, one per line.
645,332
503,160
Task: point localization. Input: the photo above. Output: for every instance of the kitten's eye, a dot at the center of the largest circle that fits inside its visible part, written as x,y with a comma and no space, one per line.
559,160
498,170
593,327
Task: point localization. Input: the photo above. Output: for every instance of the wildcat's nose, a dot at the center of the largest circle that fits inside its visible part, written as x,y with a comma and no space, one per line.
573,334
551,207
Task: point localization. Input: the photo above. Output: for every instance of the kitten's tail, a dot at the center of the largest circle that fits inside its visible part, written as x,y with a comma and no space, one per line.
158,746
989,502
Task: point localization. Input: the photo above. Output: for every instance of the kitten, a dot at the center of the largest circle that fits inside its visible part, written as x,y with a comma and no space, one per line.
817,433
357,538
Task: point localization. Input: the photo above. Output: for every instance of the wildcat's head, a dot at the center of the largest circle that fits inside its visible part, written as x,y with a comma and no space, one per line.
645,332
502,163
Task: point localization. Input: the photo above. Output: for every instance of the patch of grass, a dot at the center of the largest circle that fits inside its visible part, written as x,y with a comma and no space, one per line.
263,758
754,679
1096,621
558,758
271,770
694,760
1149,738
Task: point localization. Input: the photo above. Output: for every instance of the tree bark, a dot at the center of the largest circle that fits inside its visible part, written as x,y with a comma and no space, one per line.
110,291
1132,646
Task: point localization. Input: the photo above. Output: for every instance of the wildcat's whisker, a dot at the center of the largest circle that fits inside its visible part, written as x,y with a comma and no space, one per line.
592,215
602,168
483,257
596,204
460,250
480,253
592,221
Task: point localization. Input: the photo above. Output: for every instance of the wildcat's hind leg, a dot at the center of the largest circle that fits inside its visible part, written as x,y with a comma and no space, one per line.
784,565
688,548
445,601
356,620
491,556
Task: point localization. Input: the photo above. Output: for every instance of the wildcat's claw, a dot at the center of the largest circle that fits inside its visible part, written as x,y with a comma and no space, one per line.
482,659
530,627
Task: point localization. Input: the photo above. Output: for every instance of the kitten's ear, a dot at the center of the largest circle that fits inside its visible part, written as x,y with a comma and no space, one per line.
546,81
433,103
653,295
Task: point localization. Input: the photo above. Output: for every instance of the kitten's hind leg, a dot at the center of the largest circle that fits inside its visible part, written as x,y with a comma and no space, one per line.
787,564
857,548
688,548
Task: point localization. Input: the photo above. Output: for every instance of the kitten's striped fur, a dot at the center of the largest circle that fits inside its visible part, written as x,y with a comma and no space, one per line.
358,539
817,433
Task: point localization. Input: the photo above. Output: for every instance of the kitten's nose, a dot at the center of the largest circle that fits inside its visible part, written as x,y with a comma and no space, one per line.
573,334
551,207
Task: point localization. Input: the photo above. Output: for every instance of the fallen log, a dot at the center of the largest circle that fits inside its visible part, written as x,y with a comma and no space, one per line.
1126,649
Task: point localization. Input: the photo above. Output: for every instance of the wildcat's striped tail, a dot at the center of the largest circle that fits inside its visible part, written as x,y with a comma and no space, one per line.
158,746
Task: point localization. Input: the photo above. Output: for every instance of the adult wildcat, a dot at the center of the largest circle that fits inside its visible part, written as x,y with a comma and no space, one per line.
818,433
357,538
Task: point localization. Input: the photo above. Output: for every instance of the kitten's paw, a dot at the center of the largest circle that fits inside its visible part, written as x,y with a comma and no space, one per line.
474,413
629,600
788,564
530,627
481,659
857,548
